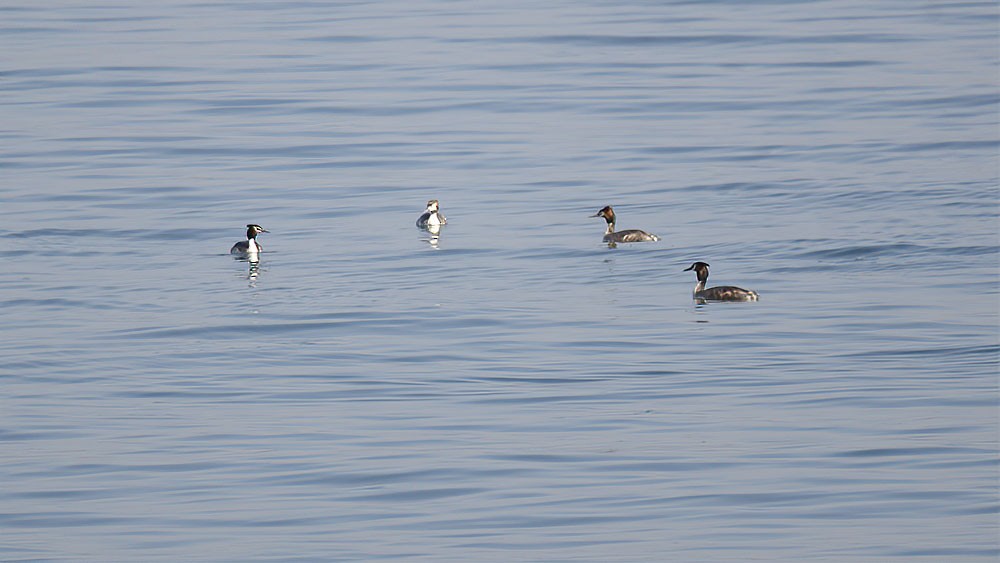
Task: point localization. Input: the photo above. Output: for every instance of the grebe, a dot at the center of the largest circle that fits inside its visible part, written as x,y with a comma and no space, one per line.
631,235
432,218
249,246
720,293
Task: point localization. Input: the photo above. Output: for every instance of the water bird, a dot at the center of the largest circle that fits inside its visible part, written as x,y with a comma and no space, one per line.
432,219
249,246
719,293
631,235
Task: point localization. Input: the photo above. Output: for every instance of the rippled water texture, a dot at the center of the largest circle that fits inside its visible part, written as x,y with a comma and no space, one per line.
512,390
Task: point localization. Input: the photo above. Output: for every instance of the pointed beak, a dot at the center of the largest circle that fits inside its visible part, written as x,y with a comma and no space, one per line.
598,214
265,231
688,269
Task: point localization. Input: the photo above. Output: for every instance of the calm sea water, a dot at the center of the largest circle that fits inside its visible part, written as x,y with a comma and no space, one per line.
515,391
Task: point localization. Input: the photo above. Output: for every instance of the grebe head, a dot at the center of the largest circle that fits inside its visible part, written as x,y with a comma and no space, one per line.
432,206
700,269
254,230
607,213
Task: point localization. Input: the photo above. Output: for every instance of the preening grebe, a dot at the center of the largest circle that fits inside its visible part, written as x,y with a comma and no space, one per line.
431,217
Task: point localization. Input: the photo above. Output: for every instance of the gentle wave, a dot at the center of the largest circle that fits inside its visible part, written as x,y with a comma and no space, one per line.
512,389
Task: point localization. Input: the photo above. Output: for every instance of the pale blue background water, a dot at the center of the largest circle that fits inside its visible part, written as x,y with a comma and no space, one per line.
520,392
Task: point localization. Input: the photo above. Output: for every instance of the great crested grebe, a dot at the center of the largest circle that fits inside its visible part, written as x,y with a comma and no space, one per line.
249,246
630,235
719,293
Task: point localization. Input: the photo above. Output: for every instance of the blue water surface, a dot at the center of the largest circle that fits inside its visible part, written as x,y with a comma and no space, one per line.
512,390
